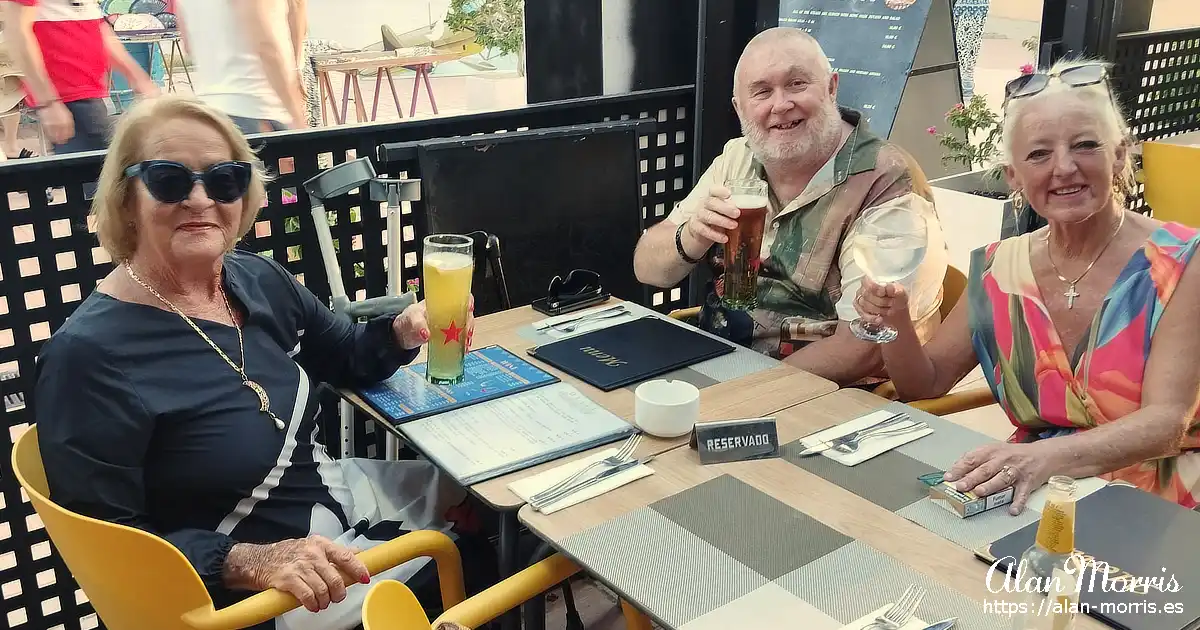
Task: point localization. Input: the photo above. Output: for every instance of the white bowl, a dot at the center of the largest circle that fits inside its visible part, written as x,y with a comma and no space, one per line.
666,409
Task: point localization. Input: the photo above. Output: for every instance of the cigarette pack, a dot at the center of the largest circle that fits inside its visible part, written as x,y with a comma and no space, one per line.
963,504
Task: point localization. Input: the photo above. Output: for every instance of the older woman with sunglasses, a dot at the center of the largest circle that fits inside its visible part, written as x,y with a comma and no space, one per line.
181,395
1085,329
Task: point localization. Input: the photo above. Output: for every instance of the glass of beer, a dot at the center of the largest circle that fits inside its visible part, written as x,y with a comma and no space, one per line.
448,266
743,251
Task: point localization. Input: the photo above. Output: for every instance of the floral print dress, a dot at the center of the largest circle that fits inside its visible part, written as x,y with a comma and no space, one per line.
1047,391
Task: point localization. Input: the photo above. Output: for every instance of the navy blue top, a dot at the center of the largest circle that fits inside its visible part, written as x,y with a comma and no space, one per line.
142,423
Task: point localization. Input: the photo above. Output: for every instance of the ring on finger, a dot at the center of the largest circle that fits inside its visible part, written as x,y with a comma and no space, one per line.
1008,474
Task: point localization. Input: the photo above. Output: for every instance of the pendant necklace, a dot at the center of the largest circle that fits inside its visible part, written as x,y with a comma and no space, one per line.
264,402
1071,293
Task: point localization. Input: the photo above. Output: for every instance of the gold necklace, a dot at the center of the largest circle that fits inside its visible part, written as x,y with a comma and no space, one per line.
1071,293
264,402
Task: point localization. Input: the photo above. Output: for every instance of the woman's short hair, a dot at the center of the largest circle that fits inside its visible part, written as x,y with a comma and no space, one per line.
114,208
1098,98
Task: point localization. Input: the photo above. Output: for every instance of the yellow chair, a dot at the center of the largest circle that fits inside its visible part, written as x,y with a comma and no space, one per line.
390,605
1171,191
136,580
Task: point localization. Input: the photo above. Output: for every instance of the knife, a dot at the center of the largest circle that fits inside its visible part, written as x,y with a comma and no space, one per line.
591,481
943,625
547,323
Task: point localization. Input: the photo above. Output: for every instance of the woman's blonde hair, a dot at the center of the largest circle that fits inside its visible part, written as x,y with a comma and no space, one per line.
1098,98
114,207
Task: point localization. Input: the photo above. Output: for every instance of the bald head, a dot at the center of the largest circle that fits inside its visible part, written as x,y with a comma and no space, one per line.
782,42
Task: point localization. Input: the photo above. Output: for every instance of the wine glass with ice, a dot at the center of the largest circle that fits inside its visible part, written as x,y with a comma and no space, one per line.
888,246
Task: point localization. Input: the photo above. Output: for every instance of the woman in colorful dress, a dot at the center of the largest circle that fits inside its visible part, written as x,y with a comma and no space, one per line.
1085,329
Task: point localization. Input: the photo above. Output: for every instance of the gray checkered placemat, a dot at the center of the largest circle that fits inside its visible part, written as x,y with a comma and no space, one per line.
725,555
741,362
889,480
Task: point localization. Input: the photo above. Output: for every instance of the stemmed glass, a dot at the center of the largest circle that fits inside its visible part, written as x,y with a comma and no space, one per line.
889,247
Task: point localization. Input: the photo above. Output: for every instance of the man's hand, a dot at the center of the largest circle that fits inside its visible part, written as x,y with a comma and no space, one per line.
710,223
306,568
57,122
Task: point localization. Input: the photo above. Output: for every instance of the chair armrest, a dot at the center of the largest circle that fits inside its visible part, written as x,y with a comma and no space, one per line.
956,402
685,313
510,593
942,405
272,603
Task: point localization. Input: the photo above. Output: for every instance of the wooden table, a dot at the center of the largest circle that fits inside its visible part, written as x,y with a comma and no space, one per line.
758,394
637,525
351,64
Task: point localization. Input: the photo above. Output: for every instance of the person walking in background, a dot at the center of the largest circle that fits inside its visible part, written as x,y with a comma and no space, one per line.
11,95
247,58
65,49
969,19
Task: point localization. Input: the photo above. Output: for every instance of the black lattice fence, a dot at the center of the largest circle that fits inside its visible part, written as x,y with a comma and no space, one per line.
50,260
1156,76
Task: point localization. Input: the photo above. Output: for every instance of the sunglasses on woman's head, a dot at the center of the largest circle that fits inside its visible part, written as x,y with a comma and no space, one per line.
1078,76
172,182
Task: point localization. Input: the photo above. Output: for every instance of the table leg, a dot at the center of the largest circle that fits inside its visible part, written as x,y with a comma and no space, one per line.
375,101
395,96
345,98
360,108
634,619
429,88
509,528
412,111
187,74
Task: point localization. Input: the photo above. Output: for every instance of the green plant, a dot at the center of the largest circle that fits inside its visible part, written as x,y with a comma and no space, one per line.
981,128
498,25
1030,43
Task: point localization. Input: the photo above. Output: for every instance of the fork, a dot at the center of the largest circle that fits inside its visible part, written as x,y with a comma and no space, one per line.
613,460
851,445
902,611
853,435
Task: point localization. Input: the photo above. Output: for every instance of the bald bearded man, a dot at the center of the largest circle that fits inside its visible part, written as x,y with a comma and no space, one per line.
824,169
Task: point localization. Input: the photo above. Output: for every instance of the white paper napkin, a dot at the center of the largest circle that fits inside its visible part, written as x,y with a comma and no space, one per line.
869,447
869,618
530,486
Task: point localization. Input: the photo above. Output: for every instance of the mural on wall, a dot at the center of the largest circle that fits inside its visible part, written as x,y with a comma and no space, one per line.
871,45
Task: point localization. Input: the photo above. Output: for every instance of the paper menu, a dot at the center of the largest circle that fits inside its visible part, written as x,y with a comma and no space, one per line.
487,440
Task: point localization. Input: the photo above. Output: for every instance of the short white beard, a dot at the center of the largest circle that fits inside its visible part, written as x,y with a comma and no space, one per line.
823,139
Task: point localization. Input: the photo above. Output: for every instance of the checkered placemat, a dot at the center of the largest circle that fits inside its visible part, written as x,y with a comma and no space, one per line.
741,362
726,555
890,481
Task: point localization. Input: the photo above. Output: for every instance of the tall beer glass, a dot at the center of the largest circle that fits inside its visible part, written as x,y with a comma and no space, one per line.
744,248
448,266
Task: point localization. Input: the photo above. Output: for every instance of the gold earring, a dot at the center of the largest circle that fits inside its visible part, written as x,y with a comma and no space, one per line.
1017,199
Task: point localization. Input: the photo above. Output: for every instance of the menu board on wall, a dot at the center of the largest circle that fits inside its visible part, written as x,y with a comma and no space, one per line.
871,45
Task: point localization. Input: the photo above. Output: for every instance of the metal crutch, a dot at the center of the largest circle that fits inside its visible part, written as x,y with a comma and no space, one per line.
337,181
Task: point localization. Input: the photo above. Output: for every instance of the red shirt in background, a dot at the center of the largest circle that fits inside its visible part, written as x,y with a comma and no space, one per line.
70,36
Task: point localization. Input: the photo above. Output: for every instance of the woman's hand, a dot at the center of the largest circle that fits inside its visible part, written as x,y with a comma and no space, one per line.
411,327
992,468
882,303
306,568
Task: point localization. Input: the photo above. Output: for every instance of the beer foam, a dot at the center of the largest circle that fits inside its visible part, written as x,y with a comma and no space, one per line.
448,261
749,201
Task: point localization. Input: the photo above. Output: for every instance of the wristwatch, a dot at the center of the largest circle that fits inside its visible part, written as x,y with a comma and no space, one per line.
679,245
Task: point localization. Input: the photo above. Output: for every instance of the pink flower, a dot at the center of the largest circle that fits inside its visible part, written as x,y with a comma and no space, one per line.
959,107
932,130
1027,69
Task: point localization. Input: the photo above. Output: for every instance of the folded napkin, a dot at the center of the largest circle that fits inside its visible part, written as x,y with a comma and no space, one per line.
869,618
869,447
530,486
